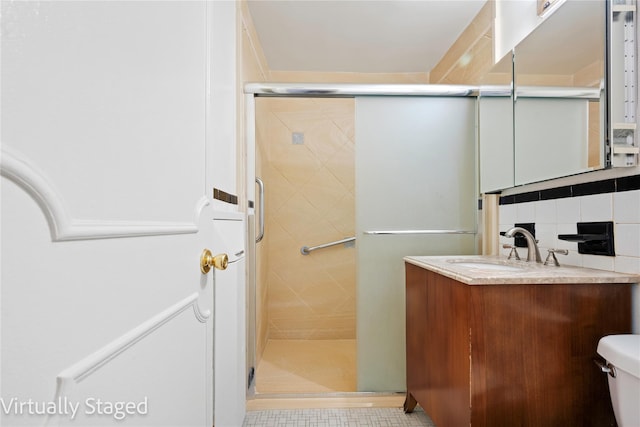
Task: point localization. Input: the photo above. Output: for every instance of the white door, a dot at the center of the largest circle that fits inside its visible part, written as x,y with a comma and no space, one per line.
105,315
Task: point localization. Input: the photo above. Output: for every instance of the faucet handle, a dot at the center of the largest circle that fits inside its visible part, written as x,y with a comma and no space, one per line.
513,253
551,257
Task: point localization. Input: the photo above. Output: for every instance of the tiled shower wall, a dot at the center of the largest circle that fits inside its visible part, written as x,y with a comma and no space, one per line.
309,201
620,203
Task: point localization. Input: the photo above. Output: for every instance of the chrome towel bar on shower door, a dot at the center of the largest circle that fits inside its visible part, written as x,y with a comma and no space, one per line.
306,250
379,232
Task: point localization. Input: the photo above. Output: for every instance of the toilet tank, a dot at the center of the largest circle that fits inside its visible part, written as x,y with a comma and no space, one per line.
623,353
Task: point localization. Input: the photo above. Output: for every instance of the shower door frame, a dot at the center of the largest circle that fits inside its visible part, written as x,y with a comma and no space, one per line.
317,90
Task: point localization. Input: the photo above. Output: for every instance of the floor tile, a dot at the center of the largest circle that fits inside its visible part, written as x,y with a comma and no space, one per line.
354,417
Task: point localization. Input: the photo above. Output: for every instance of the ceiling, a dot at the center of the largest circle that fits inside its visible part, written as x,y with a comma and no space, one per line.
367,36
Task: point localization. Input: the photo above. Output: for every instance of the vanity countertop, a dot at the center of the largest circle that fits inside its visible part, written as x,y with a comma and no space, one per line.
494,270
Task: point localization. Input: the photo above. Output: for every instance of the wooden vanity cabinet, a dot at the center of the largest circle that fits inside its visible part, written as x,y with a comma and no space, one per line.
510,355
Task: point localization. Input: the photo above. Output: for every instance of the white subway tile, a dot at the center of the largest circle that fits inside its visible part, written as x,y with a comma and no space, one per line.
526,212
625,264
626,207
546,212
573,258
599,262
547,235
568,210
598,207
507,215
627,239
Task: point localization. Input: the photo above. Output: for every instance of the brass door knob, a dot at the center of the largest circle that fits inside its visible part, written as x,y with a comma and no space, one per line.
207,260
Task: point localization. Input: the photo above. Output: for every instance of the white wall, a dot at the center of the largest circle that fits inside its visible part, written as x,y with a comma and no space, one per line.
222,135
221,89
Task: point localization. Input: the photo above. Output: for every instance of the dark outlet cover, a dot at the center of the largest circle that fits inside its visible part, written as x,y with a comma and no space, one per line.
519,239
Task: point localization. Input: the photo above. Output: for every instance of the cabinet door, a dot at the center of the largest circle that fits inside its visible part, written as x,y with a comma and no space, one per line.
438,346
416,303
532,348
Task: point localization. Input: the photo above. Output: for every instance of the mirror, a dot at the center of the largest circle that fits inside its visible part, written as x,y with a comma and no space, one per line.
495,127
559,100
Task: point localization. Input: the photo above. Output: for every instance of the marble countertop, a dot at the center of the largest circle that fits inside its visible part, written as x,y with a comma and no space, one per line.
494,270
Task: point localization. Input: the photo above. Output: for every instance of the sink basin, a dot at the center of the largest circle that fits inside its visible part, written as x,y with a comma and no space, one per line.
482,265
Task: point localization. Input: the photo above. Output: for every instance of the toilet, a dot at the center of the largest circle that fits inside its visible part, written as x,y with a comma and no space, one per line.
622,354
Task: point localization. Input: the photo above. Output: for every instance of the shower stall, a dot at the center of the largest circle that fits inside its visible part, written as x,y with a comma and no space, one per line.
355,177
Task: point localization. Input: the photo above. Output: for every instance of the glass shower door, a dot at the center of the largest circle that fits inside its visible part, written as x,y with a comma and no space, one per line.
415,195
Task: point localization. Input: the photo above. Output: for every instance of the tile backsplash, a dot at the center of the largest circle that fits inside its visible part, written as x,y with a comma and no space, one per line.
553,216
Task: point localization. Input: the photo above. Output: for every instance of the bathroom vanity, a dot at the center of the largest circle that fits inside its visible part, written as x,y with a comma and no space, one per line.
492,342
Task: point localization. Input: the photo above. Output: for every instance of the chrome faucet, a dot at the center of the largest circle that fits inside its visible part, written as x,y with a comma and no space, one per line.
533,253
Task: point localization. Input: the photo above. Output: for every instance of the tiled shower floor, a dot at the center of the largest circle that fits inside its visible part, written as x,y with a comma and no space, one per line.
307,366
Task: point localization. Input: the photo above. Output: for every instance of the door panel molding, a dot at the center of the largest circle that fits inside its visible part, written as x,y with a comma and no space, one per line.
27,176
81,370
